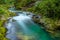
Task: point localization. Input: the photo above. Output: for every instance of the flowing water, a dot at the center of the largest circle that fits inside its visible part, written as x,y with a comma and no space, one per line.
22,27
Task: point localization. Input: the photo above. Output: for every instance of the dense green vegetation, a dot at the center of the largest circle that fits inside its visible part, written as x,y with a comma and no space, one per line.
4,14
3,17
48,8
23,3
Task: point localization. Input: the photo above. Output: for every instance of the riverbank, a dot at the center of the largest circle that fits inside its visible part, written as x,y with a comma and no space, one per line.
4,15
52,26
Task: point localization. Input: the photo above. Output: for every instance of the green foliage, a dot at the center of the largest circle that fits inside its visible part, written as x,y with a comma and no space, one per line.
48,8
7,2
2,20
4,14
23,3
2,1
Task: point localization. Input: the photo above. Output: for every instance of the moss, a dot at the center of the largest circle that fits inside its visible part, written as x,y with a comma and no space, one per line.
4,15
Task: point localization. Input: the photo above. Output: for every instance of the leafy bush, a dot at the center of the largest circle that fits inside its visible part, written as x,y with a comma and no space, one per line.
23,3
4,14
49,8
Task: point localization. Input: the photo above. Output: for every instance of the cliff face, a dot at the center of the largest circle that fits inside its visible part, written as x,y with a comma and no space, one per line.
48,9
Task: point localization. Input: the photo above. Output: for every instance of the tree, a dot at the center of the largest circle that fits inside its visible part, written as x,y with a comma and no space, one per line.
49,8
22,3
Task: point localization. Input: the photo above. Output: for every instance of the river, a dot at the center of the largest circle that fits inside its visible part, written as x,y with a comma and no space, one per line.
22,27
